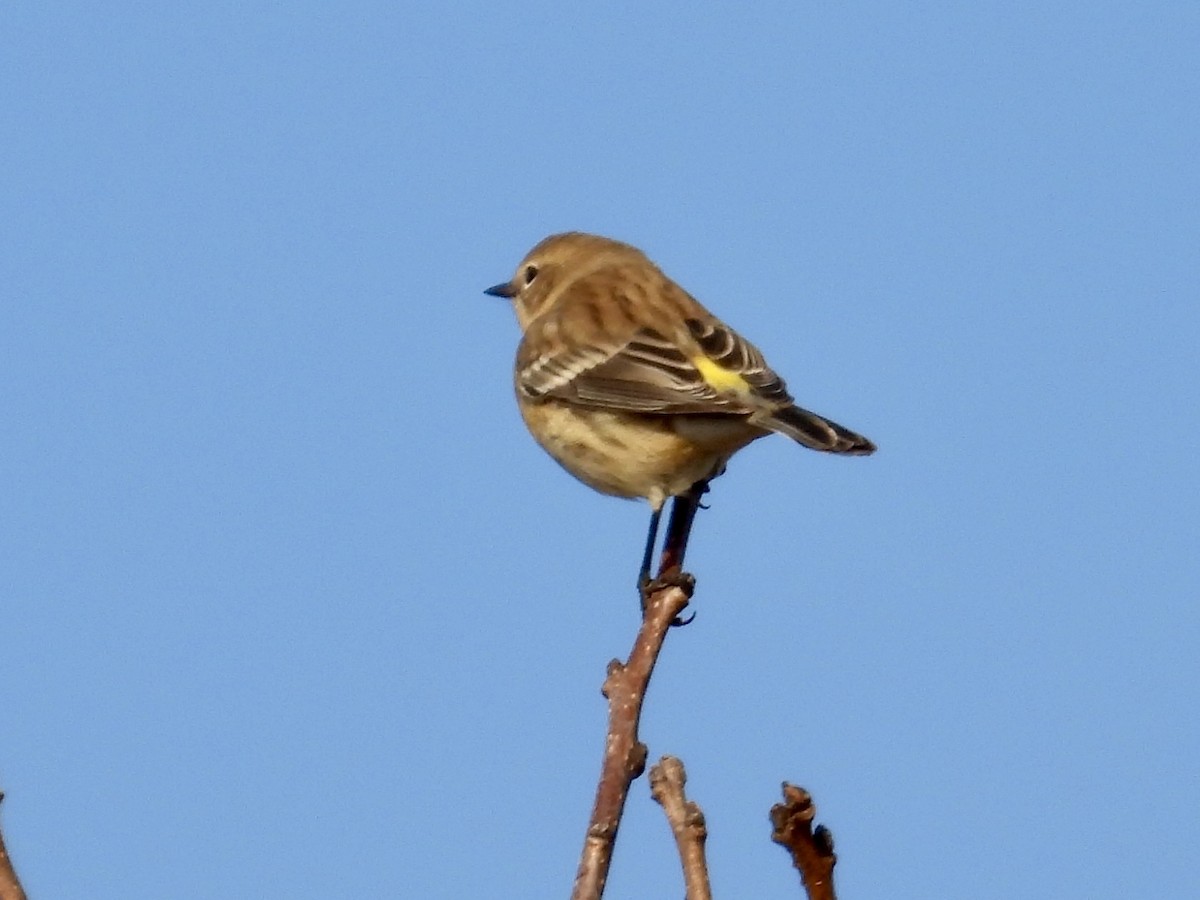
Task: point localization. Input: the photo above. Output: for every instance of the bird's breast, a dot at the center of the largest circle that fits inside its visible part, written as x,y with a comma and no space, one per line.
635,455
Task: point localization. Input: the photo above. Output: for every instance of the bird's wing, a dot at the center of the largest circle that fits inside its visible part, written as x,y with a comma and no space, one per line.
649,373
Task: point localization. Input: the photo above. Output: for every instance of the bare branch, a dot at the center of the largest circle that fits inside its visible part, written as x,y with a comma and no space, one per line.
667,781
624,754
10,887
811,849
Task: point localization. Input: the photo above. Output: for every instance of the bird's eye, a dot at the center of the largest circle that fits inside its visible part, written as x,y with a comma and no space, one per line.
530,274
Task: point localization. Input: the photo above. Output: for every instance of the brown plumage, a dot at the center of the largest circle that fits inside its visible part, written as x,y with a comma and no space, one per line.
634,387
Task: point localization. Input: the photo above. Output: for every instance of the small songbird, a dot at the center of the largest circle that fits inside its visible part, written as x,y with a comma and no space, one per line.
635,388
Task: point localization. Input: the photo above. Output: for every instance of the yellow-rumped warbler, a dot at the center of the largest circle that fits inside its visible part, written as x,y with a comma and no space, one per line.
631,385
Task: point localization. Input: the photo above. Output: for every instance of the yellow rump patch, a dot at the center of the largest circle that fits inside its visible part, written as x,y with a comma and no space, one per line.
719,378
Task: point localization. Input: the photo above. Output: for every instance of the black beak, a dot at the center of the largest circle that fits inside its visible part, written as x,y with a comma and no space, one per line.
504,289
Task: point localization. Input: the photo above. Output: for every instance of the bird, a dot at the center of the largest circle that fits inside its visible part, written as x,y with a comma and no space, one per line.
634,387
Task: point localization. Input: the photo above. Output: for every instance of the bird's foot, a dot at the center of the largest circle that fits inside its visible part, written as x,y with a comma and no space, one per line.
685,581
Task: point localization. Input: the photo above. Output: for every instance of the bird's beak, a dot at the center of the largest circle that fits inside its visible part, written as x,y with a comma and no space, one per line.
504,289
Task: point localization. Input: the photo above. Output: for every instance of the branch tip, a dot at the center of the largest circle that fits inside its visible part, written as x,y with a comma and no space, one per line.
811,849
667,780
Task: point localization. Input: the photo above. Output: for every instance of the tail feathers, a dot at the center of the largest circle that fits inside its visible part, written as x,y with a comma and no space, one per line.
817,432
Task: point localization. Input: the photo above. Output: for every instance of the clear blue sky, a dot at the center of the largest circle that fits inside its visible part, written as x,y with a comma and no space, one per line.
293,606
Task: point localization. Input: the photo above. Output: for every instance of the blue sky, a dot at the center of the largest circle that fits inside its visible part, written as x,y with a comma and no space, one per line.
292,604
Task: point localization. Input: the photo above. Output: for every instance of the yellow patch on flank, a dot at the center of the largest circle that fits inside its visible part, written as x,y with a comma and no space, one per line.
718,377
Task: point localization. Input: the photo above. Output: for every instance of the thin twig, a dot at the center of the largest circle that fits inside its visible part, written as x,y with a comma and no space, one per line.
10,887
811,848
667,781
624,754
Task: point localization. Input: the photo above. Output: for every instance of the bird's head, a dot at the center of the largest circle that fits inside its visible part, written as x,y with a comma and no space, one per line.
555,263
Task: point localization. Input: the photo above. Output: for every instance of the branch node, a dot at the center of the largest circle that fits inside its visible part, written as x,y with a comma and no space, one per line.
637,759
601,831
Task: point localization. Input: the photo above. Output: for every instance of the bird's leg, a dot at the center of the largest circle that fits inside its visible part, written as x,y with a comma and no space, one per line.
648,555
679,527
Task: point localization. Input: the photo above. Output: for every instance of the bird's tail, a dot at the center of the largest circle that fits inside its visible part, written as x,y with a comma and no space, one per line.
817,432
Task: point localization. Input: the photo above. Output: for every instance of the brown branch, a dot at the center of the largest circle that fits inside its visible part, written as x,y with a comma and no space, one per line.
667,780
811,849
10,887
624,754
